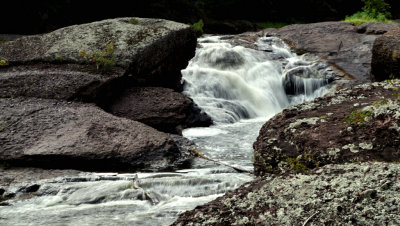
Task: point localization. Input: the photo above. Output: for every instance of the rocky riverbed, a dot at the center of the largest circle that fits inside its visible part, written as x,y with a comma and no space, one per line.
105,96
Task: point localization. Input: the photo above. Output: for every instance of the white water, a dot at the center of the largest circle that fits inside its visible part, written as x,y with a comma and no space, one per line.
239,88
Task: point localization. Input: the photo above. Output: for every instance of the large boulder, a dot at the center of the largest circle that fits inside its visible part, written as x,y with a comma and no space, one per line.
352,125
138,52
58,134
160,108
386,56
346,194
350,138
343,45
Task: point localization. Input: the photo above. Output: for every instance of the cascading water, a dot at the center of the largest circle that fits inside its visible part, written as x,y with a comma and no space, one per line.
233,82
240,88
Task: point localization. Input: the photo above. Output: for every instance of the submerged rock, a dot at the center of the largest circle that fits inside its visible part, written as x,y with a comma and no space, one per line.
58,134
386,56
355,194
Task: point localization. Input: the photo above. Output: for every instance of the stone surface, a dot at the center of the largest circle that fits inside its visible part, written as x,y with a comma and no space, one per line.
348,194
160,108
386,56
58,134
146,52
343,45
351,125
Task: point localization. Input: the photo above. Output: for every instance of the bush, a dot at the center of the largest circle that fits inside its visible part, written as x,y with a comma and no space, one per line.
198,27
373,11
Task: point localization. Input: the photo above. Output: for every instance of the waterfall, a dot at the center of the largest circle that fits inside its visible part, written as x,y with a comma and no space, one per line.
240,88
231,82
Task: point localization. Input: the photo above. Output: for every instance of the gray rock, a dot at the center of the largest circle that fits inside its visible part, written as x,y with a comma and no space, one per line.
146,52
386,56
351,125
346,194
160,108
343,45
58,134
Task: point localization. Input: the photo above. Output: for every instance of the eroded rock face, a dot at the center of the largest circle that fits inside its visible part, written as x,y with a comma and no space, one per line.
356,194
386,56
160,108
59,134
352,125
343,45
146,52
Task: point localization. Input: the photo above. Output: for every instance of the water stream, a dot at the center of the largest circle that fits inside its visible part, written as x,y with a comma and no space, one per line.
240,88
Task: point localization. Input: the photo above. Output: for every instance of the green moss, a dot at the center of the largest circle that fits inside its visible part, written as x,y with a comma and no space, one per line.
133,21
3,63
3,127
295,164
358,117
258,159
103,59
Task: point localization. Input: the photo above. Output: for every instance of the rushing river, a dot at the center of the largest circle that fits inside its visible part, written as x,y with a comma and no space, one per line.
240,88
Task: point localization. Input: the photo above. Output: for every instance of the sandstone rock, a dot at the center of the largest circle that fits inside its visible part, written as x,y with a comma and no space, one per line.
352,125
146,52
343,45
386,56
160,108
356,194
58,134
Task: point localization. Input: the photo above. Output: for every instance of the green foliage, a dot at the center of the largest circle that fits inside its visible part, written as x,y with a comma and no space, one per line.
102,59
358,117
3,63
133,21
373,11
198,27
376,8
295,164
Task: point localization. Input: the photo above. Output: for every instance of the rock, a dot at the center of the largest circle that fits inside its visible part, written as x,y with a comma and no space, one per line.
21,182
352,125
343,45
333,195
160,108
145,52
386,56
57,134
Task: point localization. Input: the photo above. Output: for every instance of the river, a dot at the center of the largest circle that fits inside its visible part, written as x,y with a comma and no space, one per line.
240,88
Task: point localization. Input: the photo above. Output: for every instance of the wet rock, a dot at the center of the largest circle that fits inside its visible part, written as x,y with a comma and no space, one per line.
386,56
58,134
351,125
333,194
145,52
160,108
343,45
